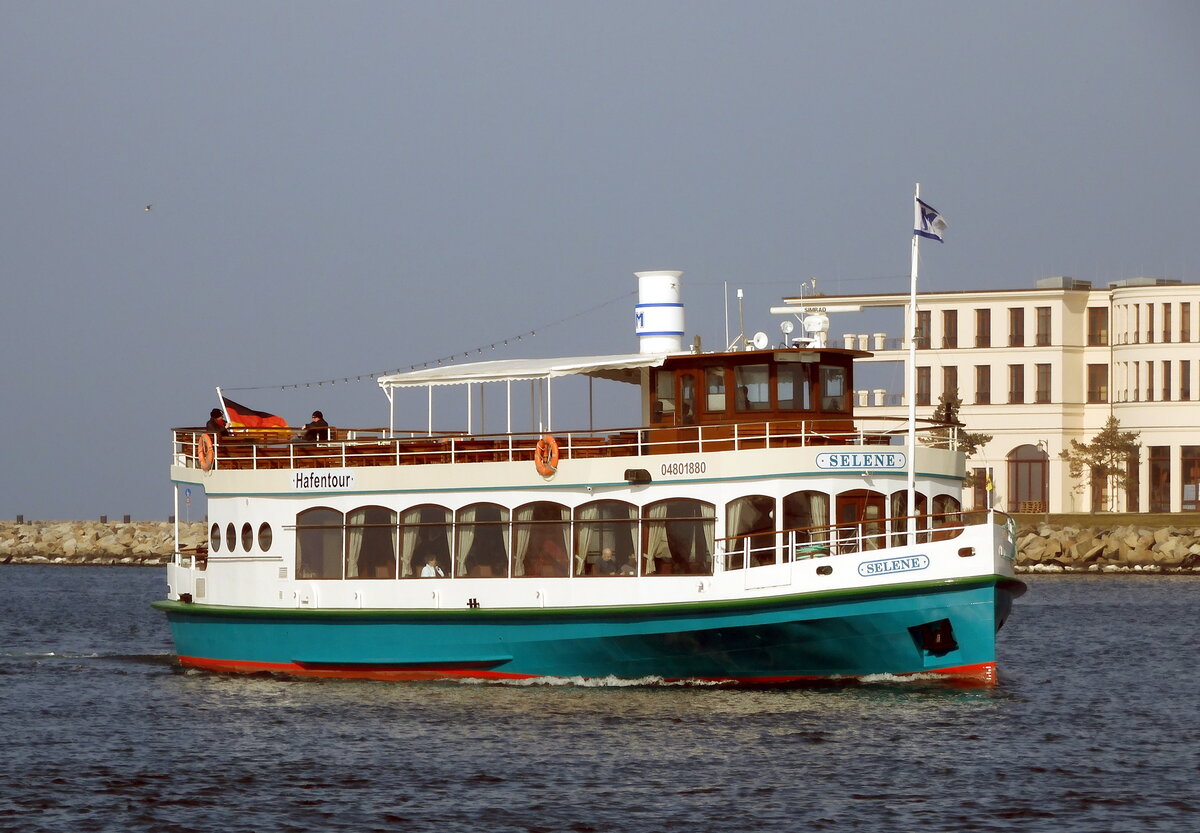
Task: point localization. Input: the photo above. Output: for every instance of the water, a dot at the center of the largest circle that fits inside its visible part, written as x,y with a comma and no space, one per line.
1093,728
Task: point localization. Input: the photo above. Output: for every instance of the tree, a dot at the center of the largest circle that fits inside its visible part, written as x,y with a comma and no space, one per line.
1105,456
946,414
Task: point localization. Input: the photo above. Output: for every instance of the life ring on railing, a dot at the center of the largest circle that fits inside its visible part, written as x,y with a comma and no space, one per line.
545,456
206,454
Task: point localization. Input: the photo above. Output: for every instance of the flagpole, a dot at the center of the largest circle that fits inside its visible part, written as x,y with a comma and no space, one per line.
911,380
224,410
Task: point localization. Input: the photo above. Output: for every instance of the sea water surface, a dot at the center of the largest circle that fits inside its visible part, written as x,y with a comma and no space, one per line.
1093,727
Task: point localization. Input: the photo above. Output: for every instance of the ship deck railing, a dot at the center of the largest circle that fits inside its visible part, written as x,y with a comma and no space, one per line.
756,549
274,448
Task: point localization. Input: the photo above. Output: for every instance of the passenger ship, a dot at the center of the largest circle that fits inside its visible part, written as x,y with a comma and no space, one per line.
749,528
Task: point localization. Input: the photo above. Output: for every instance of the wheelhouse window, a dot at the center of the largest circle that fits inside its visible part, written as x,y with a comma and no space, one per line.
482,545
794,386
542,536
750,530
806,523
664,396
835,397
425,536
605,538
753,387
371,535
714,390
319,543
678,537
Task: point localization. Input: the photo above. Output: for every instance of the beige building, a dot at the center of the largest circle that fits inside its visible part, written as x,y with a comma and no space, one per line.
1037,368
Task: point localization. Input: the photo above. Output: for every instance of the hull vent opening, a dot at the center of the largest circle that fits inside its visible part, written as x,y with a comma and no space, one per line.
934,639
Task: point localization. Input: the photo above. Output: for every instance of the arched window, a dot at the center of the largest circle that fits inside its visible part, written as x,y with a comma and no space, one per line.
319,543
899,513
1028,479
371,543
947,517
605,532
542,540
677,537
806,523
750,530
482,547
425,532
860,523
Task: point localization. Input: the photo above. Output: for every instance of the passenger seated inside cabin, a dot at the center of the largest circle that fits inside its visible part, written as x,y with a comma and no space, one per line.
431,568
607,565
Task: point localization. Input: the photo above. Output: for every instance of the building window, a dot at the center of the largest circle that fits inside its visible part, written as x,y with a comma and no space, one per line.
949,381
1137,381
1016,384
1166,324
1099,489
923,329
1097,324
1185,381
1149,381
922,385
1185,321
1042,394
1028,479
983,384
1097,379
1137,324
1160,478
1016,327
979,490
1133,481
1149,323
1166,381
1043,326
950,329
983,328
1190,466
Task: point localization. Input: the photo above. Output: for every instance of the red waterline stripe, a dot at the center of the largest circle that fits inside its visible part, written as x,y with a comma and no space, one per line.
980,675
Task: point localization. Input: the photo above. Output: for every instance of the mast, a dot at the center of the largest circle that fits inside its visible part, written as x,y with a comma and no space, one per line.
910,382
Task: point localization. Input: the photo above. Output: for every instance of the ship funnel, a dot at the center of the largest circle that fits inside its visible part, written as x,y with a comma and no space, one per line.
659,313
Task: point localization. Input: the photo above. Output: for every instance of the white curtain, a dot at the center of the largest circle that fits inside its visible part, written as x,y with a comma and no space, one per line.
354,540
466,537
656,536
412,532
585,531
709,513
524,534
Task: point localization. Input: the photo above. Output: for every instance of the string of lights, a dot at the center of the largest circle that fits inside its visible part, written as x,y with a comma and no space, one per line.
465,354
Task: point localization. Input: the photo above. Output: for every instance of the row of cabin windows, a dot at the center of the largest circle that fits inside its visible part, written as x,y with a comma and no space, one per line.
791,386
264,538
600,538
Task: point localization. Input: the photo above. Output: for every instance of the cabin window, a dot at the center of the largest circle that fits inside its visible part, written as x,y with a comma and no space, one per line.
542,538
247,536
860,520
605,532
265,536
946,518
677,537
714,390
835,398
425,535
230,537
806,523
899,513
319,543
664,396
750,529
753,387
793,387
482,550
371,535
214,538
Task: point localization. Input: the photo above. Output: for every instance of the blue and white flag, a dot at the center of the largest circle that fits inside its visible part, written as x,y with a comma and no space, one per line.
928,222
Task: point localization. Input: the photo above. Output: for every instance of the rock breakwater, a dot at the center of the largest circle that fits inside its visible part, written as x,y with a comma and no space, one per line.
139,543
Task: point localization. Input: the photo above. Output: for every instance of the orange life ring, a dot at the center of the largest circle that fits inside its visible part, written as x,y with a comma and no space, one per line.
205,453
545,456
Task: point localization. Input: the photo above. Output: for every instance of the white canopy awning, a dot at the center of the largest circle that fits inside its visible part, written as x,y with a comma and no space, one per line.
620,368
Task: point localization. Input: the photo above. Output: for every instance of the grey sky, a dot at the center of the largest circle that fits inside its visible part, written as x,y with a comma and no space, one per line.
345,188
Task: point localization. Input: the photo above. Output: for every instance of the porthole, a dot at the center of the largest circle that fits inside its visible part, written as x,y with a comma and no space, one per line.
247,537
214,538
230,538
825,570
264,537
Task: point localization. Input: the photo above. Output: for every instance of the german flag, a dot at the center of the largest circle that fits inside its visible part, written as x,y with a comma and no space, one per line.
242,417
